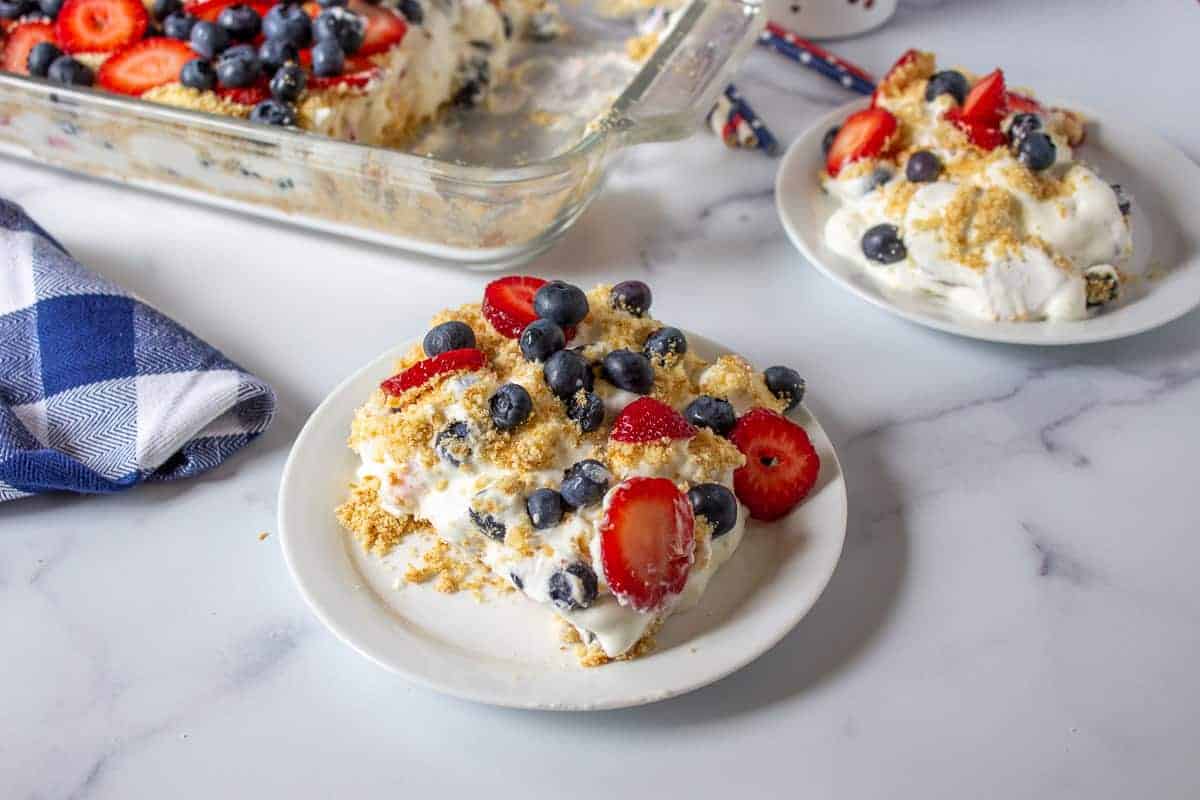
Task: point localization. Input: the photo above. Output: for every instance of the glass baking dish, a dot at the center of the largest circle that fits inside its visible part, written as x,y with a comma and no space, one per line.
486,188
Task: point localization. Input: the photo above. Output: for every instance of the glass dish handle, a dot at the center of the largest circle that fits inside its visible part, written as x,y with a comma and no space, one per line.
686,72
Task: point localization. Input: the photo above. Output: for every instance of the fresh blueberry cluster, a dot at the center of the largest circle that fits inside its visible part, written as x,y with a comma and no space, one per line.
1033,146
47,61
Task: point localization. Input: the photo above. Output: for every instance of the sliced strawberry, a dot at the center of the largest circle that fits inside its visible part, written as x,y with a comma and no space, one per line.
1018,103
864,134
984,104
209,10
100,26
649,420
906,58
983,135
143,65
467,359
20,40
356,79
781,465
647,538
508,303
385,27
246,95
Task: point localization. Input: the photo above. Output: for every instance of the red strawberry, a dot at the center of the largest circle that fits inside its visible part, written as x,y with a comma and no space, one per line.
355,75
985,102
781,464
508,303
143,65
1022,104
906,58
247,95
646,541
649,420
209,10
982,135
468,359
864,134
21,39
100,26
385,28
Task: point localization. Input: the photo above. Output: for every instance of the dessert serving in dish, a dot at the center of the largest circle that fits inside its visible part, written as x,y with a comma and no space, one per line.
570,447
958,187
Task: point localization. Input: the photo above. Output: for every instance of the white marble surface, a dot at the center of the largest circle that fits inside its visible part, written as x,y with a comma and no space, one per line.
1014,615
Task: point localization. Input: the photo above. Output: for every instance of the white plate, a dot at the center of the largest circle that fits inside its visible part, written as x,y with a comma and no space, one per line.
1165,186
505,651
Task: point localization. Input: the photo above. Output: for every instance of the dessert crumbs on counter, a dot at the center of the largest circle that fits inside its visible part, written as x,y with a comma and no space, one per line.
262,536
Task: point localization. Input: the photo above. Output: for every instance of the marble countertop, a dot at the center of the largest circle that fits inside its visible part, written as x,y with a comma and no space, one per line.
1014,614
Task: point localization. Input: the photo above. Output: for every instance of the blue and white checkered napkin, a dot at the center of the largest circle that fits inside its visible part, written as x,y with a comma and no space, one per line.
98,391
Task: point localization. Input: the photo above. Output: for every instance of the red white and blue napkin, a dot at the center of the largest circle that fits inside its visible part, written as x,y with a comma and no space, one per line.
99,391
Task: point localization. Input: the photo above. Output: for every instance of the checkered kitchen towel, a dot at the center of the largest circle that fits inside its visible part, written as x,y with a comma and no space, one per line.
98,391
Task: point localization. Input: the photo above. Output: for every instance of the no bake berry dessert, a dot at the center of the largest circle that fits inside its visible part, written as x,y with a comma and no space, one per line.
348,69
579,450
955,185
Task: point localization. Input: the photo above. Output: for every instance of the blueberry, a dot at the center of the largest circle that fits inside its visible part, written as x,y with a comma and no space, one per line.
950,82
453,442
716,504
238,67
566,372
240,21
786,384
1124,202
712,413
179,25
827,139
922,167
1022,125
510,406
882,243
541,339
165,8
339,25
560,302
573,587
587,409
208,38
452,335
488,525
41,57
545,508
198,74
880,177
632,297
412,11
288,83
664,342
328,59
289,23
1036,151
630,371
274,53
585,483
516,580
65,69
331,3
273,112
50,7
14,9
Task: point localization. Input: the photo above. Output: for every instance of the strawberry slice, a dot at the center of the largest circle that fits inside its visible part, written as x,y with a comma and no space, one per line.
983,135
781,465
508,303
647,538
20,40
985,102
385,28
1022,104
906,58
209,10
100,26
649,420
352,75
467,359
246,95
864,134
143,65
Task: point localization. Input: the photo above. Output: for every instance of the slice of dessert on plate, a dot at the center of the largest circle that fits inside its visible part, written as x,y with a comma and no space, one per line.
579,450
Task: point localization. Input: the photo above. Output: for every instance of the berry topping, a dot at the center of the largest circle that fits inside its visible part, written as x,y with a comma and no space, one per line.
649,420
951,82
584,483
632,297
453,443
573,587
14,9
452,335
288,23
288,82
541,339
412,11
341,26
488,525
198,74
208,38
587,409
781,465
179,26
19,44
985,102
561,303
827,139
1023,103
50,7
270,111
1036,151
384,28
880,176
510,406
923,167
1124,201
161,9
882,244
864,134
566,372
65,69
41,57
716,504
144,65
328,59
467,359
247,96
647,538
630,371
664,343
240,21
238,67
545,508
508,303
983,135
786,384
274,53
1022,125
100,26
711,412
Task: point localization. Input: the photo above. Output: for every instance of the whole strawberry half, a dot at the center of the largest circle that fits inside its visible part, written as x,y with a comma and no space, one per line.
649,420
983,135
864,134
508,305
984,104
100,26
647,538
19,41
467,359
143,65
781,464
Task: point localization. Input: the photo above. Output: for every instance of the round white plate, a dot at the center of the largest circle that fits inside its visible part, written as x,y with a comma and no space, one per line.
1164,184
505,651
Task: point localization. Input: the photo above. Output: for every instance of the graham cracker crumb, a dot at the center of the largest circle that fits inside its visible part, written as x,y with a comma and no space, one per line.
262,537
377,530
